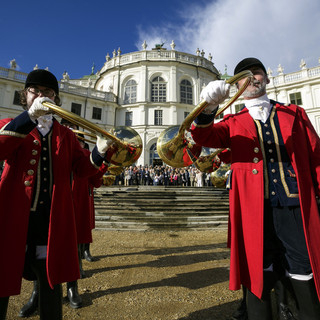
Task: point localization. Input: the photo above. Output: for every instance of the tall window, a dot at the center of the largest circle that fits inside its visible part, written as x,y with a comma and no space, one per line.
186,92
158,117
130,92
76,108
96,113
158,90
238,107
128,120
16,98
295,98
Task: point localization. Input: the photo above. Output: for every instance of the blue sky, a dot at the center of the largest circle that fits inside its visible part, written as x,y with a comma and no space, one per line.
68,35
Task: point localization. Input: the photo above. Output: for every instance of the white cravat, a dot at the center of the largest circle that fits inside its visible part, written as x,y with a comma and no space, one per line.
44,124
259,108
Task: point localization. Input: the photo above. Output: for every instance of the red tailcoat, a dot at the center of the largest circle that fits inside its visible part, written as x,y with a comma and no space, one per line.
82,189
238,132
22,153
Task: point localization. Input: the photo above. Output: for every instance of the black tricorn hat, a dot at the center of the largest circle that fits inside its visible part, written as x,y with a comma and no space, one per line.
43,78
248,63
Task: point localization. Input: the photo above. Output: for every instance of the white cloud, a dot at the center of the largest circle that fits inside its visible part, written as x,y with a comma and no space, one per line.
277,32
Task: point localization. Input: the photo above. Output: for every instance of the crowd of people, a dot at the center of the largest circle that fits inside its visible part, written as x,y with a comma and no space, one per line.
163,176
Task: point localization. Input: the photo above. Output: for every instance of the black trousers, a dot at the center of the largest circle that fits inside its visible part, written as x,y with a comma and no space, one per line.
50,300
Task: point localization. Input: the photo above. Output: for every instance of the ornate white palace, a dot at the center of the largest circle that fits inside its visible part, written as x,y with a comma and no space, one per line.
150,90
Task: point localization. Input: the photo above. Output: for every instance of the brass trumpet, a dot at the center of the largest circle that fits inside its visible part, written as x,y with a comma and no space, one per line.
127,143
80,135
205,163
175,148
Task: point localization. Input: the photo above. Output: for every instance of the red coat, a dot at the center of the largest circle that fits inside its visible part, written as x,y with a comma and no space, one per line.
82,189
238,132
22,153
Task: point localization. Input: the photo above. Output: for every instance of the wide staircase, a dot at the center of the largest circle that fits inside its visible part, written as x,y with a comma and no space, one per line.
142,208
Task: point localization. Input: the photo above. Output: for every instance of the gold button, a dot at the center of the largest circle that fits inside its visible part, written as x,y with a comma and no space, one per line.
27,183
44,158
45,179
44,148
273,193
266,125
270,150
267,133
45,190
44,169
275,180
33,161
41,202
256,149
272,160
34,152
255,160
273,170
254,171
269,142
43,139
36,142
30,172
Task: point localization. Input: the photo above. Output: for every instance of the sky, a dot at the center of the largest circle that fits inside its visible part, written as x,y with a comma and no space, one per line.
74,36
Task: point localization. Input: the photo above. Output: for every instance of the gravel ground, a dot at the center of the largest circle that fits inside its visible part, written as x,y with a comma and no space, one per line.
154,275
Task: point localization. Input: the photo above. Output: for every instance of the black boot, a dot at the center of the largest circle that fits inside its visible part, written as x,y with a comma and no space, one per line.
307,299
258,309
285,313
4,301
86,253
32,305
241,312
80,252
73,295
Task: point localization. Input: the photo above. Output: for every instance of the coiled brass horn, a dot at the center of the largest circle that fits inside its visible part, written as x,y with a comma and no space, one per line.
175,148
127,142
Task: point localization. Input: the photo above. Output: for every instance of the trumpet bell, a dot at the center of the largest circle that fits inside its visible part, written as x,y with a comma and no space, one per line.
176,150
219,177
131,147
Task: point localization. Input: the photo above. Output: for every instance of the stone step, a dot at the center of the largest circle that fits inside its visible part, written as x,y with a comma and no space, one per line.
153,207
164,212
148,226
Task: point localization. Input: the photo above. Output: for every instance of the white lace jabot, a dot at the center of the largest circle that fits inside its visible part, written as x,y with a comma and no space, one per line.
259,108
44,124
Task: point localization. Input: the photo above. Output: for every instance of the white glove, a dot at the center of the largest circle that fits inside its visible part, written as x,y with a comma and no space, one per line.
215,93
37,109
103,145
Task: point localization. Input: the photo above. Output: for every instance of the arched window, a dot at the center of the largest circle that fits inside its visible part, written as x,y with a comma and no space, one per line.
158,90
130,92
186,92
